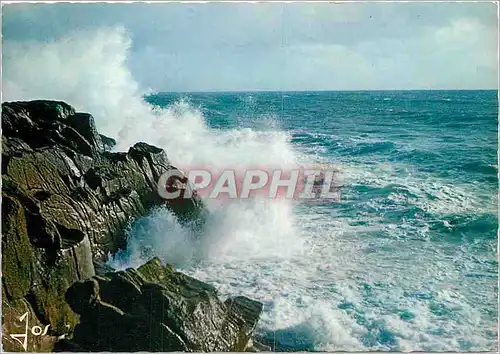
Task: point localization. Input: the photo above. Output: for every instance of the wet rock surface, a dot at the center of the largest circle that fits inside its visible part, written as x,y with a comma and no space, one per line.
159,310
66,201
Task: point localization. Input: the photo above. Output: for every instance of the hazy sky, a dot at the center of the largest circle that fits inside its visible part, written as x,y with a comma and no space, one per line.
298,46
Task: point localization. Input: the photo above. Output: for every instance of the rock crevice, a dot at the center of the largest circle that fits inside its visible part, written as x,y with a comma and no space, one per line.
67,199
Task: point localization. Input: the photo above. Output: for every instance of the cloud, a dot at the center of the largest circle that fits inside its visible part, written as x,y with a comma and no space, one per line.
225,46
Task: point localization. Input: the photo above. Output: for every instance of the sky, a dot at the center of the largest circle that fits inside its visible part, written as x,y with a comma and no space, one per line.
266,46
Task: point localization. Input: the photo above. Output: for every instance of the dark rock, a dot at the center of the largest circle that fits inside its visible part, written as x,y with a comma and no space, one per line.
245,314
155,308
57,158
67,200
107,142
17,255
102,268
82,296
85,125
65,345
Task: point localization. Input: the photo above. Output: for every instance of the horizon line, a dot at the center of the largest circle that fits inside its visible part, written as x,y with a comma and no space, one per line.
316,90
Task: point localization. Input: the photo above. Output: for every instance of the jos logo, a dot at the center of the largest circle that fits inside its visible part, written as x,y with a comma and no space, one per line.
35,330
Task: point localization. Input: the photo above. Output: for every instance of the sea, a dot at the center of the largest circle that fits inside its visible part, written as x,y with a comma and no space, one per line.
406,260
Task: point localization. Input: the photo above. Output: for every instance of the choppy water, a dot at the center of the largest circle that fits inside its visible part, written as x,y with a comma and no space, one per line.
407,260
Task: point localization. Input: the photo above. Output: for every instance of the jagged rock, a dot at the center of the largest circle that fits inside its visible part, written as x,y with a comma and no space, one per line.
159,310
66,203
32,268
57,158
102,268
107,142
244,316
17,260
67,199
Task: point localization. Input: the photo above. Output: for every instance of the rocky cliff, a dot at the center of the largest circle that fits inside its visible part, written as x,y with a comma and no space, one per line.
66,200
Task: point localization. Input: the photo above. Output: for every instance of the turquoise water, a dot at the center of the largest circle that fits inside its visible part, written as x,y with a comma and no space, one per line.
407,260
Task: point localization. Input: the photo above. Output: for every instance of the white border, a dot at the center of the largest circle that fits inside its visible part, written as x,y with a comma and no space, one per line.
497,2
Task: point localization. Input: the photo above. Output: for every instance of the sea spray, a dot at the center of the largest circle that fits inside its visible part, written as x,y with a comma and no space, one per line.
92,75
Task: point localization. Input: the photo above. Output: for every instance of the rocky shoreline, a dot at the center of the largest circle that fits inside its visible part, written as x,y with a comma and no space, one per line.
66,201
